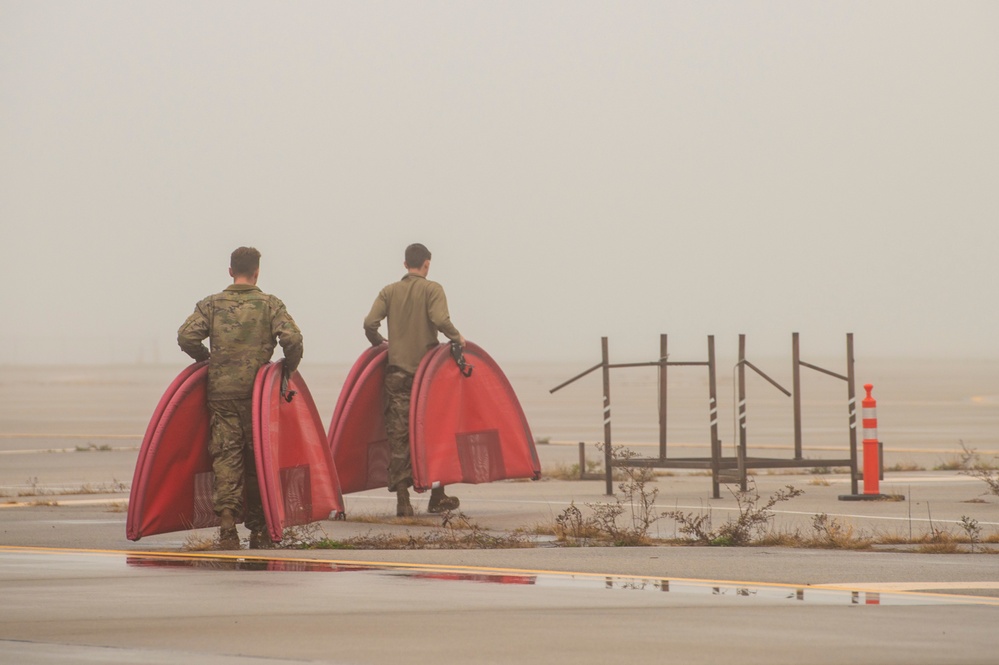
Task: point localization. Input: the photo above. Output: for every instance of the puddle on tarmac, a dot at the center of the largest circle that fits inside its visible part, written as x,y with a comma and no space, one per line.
219,563
770,593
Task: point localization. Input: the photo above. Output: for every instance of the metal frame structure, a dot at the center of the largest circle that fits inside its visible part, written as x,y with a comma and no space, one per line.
718,463
745,461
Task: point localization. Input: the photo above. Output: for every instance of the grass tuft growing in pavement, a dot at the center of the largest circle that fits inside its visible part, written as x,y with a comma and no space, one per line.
453,531
629,520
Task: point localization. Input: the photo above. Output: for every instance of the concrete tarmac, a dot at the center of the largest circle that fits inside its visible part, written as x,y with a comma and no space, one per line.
76,591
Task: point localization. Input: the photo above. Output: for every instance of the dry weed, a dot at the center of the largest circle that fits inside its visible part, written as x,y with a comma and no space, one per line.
830,533
939,542
905,467
197,542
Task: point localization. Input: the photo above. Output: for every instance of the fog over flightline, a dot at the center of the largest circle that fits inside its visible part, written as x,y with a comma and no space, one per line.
578,169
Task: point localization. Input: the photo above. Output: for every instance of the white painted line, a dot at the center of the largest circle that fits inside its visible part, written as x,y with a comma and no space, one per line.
26,435
55,501
697,508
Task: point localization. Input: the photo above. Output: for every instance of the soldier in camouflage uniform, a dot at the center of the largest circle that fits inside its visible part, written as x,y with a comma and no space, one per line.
417,310
243,325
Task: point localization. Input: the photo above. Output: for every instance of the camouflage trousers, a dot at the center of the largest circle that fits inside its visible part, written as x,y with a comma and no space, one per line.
231,449
398,390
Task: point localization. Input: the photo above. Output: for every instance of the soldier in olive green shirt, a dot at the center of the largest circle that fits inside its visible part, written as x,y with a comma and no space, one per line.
243,326
416,309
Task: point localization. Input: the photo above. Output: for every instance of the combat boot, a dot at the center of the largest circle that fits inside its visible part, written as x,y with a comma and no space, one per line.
440,502
403,508
261,540
228,536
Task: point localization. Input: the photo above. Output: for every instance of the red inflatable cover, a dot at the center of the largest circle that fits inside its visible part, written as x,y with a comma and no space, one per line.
172,484
348,385
467,429
462,429
298,481
357,432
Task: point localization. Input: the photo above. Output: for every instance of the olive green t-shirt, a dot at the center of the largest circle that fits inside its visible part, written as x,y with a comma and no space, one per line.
416,309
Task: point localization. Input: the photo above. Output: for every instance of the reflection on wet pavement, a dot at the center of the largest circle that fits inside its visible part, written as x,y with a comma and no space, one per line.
770,592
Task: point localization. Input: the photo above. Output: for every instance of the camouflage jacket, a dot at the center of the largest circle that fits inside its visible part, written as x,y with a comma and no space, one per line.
243,325
417,310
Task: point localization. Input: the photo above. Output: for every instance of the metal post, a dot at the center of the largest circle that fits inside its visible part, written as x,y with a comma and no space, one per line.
582,460
608,458
852,405
663,387
796,372
742,413
716,451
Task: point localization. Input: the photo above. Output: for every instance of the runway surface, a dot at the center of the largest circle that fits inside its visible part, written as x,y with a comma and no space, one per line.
85,606
74,590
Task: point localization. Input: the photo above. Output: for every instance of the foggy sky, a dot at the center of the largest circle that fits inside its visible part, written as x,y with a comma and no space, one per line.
578,169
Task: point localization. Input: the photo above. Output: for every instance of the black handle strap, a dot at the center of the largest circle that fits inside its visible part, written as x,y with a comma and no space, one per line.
288,395
459,358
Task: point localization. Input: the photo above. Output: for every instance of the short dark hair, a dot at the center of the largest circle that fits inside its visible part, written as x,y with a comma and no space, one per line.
416,254
244,261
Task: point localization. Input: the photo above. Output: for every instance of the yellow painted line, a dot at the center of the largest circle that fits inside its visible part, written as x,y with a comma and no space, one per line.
908,586
444,568
153,554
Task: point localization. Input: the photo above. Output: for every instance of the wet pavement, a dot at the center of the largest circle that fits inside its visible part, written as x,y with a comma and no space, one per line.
64,606
75,590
